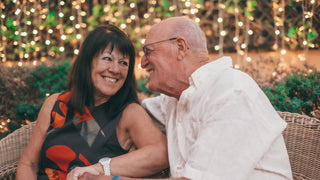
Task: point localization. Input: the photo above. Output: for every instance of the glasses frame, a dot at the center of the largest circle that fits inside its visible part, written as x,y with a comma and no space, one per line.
145,49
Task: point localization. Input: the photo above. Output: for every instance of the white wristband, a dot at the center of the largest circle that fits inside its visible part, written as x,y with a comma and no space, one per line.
105,162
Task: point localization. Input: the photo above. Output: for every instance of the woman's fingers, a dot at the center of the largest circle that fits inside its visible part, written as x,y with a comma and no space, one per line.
77,172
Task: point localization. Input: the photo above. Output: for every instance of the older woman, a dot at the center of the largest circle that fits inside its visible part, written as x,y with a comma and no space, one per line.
97,120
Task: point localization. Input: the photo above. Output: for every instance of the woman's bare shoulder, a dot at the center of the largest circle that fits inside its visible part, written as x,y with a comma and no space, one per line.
134,112
134,109
44,114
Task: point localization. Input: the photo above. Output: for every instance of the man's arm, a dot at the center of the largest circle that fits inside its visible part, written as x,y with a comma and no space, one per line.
88,176
231,139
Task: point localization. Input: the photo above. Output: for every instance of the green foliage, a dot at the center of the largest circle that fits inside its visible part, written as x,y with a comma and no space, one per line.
43,81
139,18
51,19
312,35
27,111
142,86
166,4
96,10
298,92
292,32
49,80
251,6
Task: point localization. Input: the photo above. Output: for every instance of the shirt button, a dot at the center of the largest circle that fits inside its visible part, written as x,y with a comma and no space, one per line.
179,167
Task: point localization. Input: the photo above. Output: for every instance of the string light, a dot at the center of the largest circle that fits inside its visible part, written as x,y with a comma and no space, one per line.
276,24
61,49
3,38
246,35
35,37
237,33
123,26
283,51
222,33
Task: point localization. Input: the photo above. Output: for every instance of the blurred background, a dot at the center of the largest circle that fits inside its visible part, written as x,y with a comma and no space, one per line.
274,41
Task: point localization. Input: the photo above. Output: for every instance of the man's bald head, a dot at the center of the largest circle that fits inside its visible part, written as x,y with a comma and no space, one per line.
180,27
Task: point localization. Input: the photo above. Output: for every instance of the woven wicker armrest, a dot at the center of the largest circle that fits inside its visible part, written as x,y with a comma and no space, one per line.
11,149
302,138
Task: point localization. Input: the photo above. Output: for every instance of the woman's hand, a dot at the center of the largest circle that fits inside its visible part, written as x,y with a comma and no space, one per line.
88,176
77,172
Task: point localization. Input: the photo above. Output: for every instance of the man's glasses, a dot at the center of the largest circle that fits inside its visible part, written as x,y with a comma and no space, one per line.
145,50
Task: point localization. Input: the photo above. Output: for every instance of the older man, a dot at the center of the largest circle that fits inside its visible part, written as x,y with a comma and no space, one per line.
219,123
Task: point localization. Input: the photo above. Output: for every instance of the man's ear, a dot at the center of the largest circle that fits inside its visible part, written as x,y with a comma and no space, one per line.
182,45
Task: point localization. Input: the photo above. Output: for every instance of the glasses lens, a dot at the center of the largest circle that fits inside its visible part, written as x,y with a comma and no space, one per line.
144,50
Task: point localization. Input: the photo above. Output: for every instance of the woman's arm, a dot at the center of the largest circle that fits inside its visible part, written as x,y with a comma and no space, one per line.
28,163
151,155
88,176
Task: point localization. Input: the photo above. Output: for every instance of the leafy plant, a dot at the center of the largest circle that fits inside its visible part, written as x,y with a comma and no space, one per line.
298,92
143,84
42,82
49,80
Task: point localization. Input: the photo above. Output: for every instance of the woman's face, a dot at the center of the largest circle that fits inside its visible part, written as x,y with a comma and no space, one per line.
109,72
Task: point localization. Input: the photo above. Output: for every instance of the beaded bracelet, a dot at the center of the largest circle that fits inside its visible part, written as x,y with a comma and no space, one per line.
115,177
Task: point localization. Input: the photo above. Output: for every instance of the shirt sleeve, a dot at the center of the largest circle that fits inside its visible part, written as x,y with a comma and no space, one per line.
154,108
233,137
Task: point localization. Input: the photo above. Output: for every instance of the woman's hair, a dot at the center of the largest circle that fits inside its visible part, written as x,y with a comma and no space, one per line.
80,82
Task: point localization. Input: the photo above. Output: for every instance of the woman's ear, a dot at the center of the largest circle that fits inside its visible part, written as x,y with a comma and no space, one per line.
182,45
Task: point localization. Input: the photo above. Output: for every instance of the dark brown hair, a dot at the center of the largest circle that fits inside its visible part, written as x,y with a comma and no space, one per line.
80,82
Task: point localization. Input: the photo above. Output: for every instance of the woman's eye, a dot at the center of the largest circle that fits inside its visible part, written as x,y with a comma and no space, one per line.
107,58
124,63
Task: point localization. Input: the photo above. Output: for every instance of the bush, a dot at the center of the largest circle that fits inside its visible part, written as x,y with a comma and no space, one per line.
23,90
12,88
142,83
298,92
43,81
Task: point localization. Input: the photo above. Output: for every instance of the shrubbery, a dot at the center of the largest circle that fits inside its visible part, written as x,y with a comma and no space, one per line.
43,81
23,90
298,92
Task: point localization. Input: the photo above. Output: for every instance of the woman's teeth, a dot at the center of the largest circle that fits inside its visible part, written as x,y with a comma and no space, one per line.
110,79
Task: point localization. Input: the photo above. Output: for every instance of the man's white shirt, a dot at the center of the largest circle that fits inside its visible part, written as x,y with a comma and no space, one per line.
222,127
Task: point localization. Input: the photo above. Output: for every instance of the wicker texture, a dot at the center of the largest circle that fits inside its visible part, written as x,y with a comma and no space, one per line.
302,137
11,149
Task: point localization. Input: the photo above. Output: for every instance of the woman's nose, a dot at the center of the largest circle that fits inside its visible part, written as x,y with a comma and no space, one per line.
114,67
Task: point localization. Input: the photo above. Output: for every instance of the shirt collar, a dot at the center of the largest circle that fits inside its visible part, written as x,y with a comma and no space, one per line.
202,74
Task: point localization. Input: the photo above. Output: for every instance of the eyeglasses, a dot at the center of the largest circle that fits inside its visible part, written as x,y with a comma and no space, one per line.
145,50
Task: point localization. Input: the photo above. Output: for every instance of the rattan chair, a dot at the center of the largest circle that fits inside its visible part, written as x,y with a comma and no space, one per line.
11,148
302,137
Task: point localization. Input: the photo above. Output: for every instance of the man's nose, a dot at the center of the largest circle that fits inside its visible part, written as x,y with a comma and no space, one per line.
144,61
